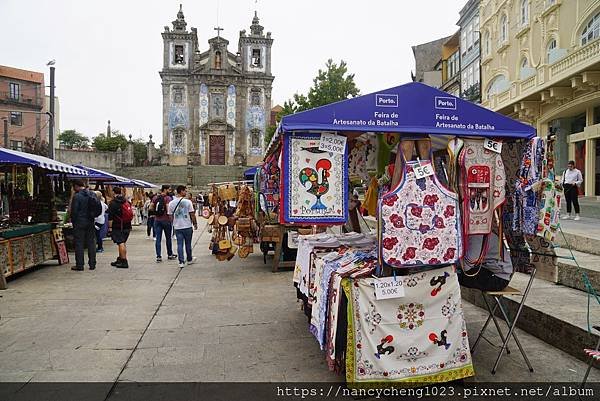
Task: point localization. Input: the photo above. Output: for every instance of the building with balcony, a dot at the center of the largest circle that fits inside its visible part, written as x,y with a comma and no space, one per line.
469,51
451,65
541,64
22,104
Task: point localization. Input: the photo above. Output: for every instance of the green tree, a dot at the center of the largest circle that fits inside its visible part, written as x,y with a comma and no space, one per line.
71,139
140,151
330,85
106,144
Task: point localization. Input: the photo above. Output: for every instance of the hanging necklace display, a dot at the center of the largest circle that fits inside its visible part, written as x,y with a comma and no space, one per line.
419,220
455,145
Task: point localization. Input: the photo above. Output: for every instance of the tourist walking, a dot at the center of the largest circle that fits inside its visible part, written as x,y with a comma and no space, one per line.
162,223
85,207
100,223
149,216
184,218
120,214
199,202
572,179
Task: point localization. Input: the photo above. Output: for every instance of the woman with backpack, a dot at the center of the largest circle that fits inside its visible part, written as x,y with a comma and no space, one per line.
120,214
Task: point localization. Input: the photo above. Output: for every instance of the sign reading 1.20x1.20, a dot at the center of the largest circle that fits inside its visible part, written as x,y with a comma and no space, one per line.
388,287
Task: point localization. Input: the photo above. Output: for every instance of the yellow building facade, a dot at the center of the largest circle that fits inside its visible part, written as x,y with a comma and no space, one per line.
540,62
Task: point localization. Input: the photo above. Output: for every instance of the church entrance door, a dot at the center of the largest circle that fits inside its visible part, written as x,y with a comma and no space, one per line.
216,149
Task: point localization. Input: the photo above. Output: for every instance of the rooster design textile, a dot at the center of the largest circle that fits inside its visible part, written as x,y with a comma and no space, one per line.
420,223
434,350
314,182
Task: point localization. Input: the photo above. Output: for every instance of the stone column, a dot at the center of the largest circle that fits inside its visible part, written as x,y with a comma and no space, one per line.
562,129
589,175
130,156
150,150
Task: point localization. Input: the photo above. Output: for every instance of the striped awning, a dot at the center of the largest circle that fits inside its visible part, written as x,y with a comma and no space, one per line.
8,156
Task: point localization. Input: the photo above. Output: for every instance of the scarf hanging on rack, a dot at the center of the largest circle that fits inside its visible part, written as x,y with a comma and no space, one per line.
526,201
552,194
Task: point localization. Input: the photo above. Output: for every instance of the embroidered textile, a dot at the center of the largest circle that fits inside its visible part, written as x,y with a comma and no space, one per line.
549,217
419,222
512,154
526,202
482,184
420,337
370,203
315,182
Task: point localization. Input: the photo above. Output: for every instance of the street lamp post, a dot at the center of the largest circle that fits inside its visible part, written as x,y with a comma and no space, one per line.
51,122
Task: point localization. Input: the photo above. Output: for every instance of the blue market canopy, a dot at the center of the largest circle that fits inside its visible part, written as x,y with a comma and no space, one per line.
249,174
8,156
95,174
413,108
144,184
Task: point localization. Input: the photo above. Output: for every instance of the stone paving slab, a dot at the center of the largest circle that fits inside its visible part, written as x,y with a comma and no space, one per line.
211,321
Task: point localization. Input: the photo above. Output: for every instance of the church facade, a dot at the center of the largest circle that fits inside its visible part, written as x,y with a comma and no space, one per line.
215,103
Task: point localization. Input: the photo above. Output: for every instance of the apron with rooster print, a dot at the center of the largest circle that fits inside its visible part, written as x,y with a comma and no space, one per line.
420,222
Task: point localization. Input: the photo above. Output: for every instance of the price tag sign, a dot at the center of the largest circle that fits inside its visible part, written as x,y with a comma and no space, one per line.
388,287
423,170
332,143
492,146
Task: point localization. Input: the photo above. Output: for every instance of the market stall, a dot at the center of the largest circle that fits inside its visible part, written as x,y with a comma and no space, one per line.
387,308
28,234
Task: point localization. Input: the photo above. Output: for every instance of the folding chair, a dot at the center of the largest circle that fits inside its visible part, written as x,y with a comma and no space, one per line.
594,355
511,323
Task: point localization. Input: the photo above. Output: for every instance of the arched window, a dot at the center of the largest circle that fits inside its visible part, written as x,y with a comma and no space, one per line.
503,29
487,43
218,60
497,85
524,12
592,30
524,62
549,49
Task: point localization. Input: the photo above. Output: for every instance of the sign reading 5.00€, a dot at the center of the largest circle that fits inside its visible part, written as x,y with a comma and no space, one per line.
332,143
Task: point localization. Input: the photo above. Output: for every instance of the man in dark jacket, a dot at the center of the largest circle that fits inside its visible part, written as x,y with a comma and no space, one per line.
84,232
119,226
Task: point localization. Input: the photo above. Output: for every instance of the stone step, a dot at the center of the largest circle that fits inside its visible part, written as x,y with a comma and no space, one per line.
572,276
590,207
553,313
176,175
582,235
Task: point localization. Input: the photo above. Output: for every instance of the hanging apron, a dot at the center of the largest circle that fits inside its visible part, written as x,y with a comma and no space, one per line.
482,185
419,222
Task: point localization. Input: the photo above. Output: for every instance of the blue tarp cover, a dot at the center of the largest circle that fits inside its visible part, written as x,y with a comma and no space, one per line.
9,156
410,108
249,174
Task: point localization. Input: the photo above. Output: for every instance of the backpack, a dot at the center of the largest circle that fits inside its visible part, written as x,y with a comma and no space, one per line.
94,206
126,212
161,207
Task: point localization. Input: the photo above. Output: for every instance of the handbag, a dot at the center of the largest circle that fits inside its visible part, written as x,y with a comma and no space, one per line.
227,192
224,244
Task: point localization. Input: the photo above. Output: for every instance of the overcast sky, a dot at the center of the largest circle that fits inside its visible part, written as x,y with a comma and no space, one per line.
108,53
